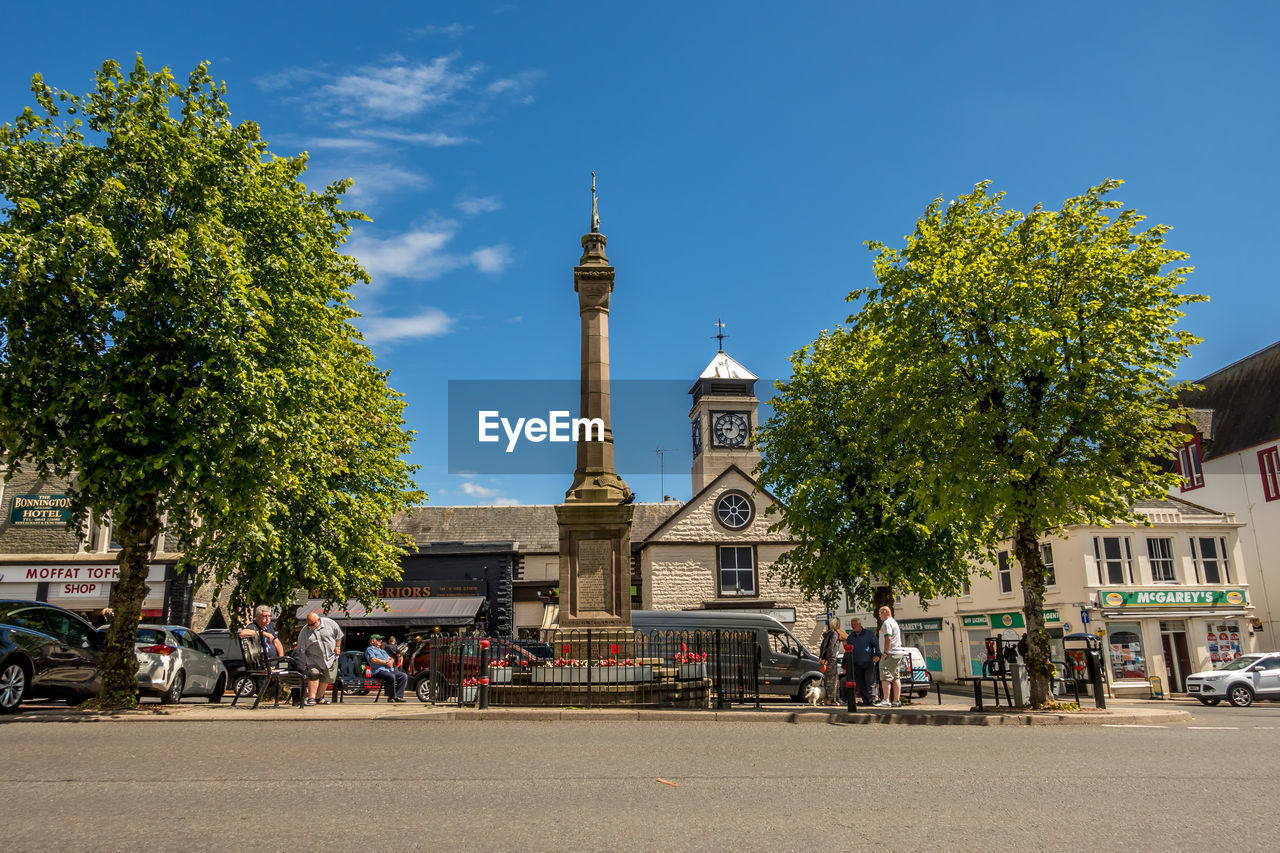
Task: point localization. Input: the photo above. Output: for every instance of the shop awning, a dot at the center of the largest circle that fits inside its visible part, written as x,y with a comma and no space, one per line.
444,612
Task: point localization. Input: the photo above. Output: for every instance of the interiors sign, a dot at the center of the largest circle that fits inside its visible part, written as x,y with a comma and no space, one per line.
1175,598
40,511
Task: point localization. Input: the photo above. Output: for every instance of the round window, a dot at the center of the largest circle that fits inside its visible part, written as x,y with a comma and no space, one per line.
734,510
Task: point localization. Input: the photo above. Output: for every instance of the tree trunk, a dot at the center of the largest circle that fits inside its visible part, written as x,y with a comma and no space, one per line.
137,534
1026,546
882,597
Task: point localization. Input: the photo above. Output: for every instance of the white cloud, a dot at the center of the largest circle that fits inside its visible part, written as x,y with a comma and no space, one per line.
397,90
386,330
515,84
476,490
420,254
472,205
341,142
431,139
287,78
371,179
506,502
492,259
452,31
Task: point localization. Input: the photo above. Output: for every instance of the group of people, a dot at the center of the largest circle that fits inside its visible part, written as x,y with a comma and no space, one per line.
872,653
318,650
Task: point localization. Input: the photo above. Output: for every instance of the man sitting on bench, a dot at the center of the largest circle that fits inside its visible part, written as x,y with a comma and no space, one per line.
383,668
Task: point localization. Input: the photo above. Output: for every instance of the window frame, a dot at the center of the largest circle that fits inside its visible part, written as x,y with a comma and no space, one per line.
1220,558
1269,469
1004,573
1191,465
741,495
1125,559
737,570
1046,557
1170,560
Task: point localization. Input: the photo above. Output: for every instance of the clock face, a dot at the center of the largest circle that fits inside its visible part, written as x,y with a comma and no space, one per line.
730,429
697,436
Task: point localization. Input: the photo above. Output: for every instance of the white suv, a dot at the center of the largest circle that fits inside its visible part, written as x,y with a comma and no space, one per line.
1246,677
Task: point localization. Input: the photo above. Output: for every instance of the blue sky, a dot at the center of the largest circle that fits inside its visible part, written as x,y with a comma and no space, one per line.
744,152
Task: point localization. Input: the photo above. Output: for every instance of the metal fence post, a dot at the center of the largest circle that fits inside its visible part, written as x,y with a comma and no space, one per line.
482,692
589,667
850,679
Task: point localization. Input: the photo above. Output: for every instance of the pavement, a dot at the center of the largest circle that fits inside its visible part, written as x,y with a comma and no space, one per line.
951,712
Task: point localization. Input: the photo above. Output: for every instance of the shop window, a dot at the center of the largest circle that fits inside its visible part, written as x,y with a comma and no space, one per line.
1160,553
1046,554
737,570
1127,657
1224,642
977,651
1005,572
1269,467
1114,558
1189,465
1209,555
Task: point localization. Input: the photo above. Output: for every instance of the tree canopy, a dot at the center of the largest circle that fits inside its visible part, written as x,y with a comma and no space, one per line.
175,342
1010,374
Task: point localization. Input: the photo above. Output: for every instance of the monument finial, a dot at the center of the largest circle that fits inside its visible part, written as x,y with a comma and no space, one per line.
720,335
595,210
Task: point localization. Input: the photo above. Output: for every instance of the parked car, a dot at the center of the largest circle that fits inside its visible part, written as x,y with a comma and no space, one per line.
46,651
1239,682
174,661
418,663
914,673
232,657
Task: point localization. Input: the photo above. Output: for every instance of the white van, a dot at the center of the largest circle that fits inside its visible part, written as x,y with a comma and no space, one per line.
787,668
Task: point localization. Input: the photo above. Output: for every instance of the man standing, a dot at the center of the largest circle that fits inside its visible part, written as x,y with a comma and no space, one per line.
319,645
382,667
891,652
261,627
862,660
829,652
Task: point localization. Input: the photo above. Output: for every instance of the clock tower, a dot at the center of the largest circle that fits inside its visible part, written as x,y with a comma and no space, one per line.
723,417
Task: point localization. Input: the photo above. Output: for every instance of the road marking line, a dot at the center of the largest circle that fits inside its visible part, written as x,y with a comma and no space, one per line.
1216,728
1129,726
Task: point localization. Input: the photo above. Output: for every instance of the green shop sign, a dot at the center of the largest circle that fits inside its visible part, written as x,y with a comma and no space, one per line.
974,621
40,511
1175,598
917,625
1012,619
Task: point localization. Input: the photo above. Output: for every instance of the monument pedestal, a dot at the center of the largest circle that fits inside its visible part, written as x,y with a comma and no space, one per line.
595,564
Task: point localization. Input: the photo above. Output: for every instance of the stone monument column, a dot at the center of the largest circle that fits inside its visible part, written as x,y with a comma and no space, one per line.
595,518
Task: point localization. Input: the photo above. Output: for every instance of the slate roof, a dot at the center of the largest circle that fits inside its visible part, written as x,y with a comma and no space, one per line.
1245,399
532,528
1187,508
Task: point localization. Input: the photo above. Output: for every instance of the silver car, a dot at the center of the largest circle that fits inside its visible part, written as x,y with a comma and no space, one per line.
174,661
1246,677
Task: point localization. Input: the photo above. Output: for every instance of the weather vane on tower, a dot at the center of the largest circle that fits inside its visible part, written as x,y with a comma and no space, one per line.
720,335
595,211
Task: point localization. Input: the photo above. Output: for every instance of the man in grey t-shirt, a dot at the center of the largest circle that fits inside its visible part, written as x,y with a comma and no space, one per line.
889,644
319,644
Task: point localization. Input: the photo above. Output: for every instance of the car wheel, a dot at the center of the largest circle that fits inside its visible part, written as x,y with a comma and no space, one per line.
13,683
1204,701
218,689
1240,695
244,686
804,687
173,695
423,689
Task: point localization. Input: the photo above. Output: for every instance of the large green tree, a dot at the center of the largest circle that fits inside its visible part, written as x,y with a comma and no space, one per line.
1017,369
175,342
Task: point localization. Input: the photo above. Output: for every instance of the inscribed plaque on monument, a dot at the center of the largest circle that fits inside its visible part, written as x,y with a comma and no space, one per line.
595,572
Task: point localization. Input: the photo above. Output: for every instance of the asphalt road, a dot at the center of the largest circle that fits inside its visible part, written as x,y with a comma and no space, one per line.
418,785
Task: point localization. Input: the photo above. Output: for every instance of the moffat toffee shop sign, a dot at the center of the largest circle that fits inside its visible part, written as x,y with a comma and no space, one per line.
40,511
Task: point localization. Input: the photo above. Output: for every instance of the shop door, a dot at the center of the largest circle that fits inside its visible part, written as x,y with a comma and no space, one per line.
1177,660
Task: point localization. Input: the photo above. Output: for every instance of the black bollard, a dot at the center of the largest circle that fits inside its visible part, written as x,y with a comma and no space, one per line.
850,680
1095,676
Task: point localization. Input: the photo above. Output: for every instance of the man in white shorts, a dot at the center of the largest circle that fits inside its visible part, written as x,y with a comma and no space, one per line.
891,652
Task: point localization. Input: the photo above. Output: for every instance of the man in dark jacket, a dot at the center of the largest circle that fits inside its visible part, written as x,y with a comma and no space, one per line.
862,660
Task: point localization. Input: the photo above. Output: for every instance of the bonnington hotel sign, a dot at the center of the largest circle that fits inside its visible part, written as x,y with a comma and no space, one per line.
40,511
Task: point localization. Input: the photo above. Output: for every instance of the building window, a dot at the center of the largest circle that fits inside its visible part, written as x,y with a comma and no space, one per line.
1189,465
1210,558
966,589
1046,554
1005,572
1114,558
1160,553
734,510
1127,657
737,570
1269,466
